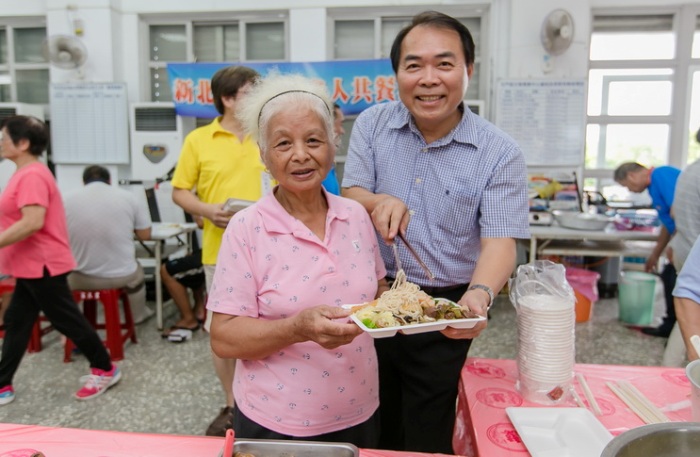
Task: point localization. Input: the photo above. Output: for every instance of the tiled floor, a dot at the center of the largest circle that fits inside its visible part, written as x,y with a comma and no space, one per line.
171,388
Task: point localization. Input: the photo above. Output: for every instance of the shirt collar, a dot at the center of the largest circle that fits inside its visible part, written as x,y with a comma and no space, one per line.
276,219
464,132
215,128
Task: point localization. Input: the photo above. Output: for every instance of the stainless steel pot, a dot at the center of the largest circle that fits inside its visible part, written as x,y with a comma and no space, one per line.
281,448
669,439
581,221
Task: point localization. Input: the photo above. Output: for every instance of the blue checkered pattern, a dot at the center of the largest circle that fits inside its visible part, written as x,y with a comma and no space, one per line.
470,184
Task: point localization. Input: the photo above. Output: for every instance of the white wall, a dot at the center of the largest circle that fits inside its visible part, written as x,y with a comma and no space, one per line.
527,57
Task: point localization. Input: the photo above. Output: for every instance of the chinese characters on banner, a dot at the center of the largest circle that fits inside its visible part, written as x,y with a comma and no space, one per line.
354,85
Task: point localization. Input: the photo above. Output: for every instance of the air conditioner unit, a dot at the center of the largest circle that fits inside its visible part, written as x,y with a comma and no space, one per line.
7,167
157,134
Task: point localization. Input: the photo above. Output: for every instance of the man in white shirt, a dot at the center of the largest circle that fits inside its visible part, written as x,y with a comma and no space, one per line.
102,221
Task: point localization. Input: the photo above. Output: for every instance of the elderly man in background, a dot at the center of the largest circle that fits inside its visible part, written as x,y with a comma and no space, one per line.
102,222
660,182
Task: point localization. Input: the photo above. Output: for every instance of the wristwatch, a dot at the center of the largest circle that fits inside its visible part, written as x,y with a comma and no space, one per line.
486,289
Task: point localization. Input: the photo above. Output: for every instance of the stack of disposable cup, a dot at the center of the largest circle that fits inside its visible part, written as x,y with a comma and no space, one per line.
546,350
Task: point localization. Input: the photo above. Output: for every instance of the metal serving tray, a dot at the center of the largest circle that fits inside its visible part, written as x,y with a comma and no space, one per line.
283,448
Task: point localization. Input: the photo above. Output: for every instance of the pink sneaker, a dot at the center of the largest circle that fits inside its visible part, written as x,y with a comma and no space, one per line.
7,395
98,382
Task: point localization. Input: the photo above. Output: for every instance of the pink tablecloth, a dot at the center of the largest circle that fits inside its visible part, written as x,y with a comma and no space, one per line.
23,440
487,388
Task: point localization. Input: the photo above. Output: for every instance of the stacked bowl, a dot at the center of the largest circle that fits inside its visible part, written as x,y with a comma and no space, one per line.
546,349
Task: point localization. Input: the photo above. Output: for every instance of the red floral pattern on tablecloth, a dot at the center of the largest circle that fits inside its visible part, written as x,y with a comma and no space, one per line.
486,370
499,398
506,437
680,379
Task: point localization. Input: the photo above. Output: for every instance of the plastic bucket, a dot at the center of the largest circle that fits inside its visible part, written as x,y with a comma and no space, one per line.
636,292
585,285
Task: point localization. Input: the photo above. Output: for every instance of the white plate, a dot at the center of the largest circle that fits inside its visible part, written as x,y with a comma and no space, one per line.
235,204
559,432
412,329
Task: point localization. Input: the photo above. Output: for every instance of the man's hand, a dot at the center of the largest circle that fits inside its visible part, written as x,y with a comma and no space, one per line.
389,216
474,301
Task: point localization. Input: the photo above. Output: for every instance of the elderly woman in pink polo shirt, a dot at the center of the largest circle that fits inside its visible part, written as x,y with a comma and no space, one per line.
285,267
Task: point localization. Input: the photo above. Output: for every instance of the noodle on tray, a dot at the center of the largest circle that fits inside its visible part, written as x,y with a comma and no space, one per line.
405,304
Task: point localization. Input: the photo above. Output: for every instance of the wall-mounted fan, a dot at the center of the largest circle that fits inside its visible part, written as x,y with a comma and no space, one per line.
557,32
65,51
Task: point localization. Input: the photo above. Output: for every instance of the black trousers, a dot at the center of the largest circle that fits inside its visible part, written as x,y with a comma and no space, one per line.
51,296
418,382
362,435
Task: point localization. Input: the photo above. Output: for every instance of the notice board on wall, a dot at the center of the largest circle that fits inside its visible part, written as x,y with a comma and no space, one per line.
89,123
547,118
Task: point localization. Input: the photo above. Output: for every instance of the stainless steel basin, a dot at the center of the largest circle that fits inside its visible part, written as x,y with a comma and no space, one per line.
276,448
670,439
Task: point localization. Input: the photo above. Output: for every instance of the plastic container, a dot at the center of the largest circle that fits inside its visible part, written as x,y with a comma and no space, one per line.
636,293
585,285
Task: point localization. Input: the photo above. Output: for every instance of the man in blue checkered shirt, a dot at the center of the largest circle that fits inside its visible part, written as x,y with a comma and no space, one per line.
455,186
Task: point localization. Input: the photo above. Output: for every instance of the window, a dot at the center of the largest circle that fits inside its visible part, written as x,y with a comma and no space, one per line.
354,40
206,41
636,70
24,72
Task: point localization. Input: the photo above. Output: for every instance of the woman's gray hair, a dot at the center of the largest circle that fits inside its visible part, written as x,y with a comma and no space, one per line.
278,92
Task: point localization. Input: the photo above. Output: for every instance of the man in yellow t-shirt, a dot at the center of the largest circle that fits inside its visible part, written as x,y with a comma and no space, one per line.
220,161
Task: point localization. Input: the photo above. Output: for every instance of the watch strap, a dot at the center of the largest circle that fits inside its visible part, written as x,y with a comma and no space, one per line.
486,289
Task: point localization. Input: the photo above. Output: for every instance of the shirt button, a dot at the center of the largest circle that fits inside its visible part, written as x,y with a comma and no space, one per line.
418,180
424,150
411,212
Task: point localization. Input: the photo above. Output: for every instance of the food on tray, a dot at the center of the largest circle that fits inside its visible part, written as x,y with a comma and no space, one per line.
406,304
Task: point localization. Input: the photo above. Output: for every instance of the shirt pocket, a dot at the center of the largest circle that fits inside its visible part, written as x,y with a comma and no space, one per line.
458,210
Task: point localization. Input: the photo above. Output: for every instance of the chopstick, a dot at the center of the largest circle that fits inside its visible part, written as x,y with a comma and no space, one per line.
644,400
637,402
577,399
415,256
630,403
589,395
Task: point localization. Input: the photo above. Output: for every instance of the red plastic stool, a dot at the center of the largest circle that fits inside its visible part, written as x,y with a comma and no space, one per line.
117,332
8,285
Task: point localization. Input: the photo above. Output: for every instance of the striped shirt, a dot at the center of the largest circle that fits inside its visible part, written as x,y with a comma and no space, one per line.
468,185
686,211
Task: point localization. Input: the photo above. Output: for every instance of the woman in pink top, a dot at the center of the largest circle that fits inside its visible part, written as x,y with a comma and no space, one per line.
35,250
285,267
